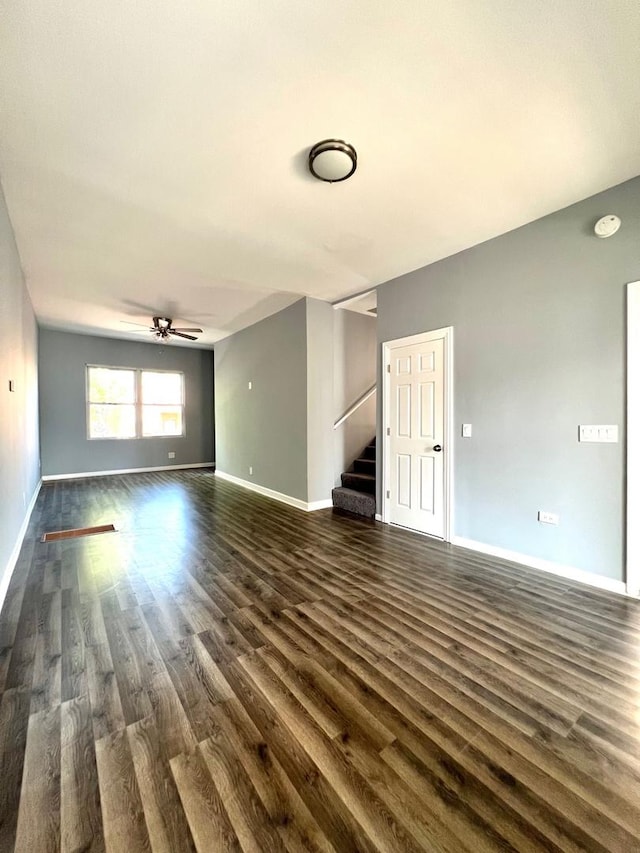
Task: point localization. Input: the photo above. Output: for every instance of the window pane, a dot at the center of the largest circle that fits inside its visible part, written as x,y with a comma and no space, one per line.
112,421
107,385
161,420
162,388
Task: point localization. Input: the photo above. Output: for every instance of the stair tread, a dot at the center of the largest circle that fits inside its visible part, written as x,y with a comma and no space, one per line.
360,475
347,490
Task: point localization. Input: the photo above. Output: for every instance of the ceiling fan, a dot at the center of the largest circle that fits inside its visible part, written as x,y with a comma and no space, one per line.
163,329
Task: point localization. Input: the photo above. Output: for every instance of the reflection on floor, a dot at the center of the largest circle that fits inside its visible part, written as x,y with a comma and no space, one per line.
229,673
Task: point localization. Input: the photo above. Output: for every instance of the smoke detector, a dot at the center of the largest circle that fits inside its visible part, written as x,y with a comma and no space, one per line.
607,225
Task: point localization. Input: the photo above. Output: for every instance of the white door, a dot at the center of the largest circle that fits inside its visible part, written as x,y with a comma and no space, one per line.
416,430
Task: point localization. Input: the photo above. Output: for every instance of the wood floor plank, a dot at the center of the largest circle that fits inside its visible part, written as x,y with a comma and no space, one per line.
39,813
286,809
14,719
208,820
165,818
246,812
80,812
280,680
123,817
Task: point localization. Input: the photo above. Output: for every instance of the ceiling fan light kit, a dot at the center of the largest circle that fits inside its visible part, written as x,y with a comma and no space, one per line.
332,160
163,330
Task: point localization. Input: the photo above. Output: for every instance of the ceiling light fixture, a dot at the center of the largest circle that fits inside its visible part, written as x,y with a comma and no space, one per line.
332,160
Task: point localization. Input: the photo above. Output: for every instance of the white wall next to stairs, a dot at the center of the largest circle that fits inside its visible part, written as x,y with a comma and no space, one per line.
354,371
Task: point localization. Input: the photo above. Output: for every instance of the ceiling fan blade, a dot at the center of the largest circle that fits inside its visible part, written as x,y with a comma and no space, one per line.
180,335
141,325
178,329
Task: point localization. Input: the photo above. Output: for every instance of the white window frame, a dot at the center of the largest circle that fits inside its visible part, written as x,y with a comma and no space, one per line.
138,403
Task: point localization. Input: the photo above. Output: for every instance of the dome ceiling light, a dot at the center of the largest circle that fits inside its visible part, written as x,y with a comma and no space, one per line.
332,160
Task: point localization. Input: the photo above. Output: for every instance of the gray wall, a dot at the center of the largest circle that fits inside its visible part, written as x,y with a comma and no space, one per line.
19,453
319,400
266,427
354,371
63,436
539,348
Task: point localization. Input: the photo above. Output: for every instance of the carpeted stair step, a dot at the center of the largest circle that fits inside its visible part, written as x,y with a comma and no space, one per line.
359,482
370,451
360,503
365,466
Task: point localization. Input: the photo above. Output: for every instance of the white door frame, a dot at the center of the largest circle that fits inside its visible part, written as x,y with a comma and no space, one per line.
633,444
447,334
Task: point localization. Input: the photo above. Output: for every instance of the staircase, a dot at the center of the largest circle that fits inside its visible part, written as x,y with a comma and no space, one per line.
357,494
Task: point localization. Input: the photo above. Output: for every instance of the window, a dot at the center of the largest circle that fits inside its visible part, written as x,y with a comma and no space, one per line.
129,403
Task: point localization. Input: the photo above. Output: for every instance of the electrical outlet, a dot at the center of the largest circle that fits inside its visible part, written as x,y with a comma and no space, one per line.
250,470
548,517
467,430
171,454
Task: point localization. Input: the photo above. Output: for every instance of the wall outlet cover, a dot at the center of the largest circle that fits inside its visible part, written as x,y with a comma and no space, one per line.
171,454
467,430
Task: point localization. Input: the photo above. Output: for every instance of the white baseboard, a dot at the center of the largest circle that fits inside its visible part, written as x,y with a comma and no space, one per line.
13,557
569,572
82,474
378,517
271,493
327,503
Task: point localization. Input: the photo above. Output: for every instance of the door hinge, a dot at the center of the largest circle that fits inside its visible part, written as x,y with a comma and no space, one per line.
388,368
388,430
388,493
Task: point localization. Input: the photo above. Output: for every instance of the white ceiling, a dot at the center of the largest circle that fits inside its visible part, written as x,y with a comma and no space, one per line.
153,152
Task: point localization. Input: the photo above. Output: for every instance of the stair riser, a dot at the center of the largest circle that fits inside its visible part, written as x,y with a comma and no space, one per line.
359,504
365,466
369,452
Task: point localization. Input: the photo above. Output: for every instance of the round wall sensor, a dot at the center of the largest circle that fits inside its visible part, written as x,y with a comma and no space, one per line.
607,226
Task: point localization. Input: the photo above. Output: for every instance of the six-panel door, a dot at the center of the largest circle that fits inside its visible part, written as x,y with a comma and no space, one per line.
416,408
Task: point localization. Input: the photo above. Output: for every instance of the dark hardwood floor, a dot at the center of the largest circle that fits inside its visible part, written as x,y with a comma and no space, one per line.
228,673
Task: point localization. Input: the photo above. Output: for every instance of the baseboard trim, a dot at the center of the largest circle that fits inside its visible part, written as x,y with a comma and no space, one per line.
378,517
312,506
83,474
569,572
13,557
271,493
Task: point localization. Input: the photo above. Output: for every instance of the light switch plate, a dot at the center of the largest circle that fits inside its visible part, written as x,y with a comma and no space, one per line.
548,517
607,433
467,430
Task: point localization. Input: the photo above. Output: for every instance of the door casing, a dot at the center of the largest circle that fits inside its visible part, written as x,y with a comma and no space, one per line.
446,334
633,444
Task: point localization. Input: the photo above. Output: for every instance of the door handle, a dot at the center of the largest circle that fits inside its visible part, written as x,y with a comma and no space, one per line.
437,448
